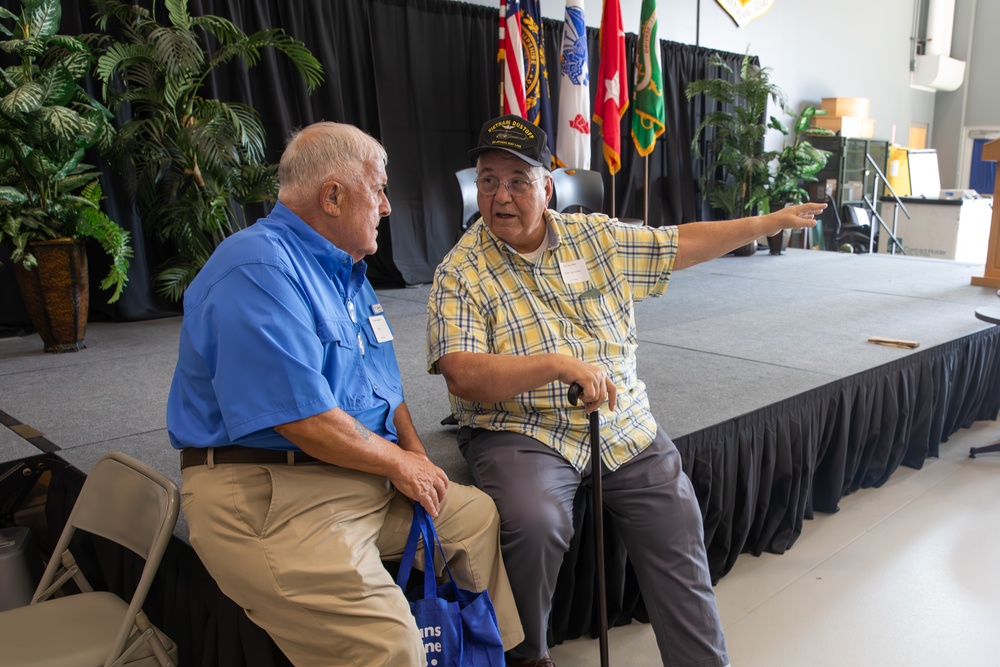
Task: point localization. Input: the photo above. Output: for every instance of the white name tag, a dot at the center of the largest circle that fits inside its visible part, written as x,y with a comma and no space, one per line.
380,328
574,272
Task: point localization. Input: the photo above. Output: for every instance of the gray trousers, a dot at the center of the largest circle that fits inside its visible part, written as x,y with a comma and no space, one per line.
654,507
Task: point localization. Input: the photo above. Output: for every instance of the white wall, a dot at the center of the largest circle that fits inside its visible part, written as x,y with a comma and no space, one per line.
850,48
977,102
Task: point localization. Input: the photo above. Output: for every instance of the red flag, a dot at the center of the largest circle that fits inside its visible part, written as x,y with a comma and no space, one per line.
611,100
512,56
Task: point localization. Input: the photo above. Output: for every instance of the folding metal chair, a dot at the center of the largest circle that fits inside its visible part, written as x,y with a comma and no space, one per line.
128,503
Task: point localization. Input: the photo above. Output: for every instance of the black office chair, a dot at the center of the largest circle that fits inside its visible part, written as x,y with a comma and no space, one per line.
470,204
854,228
581,190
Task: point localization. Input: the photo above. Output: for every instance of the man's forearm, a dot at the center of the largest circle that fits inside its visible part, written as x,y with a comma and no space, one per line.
407,432
701,241
338,438
492,378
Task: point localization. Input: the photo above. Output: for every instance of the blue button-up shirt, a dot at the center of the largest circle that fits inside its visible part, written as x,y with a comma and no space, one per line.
277,327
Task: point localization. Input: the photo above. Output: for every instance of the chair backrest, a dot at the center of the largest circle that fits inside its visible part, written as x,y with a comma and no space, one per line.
470,202
855,217
578,189
127,502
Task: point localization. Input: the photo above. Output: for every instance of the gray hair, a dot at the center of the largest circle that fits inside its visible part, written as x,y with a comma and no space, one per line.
322,152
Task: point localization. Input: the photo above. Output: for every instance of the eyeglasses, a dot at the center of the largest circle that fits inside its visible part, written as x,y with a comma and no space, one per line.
517,186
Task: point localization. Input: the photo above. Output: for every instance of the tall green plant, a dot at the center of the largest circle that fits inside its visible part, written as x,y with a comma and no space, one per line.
195,162
741,177
47,123
736,175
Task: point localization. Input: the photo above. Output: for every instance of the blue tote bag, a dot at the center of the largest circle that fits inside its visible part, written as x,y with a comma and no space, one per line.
459,627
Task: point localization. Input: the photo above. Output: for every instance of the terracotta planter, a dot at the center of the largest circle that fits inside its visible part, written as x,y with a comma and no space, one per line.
56,293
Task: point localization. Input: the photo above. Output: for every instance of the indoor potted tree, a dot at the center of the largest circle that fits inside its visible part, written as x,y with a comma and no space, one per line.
193,163
49,198
740,177
735,178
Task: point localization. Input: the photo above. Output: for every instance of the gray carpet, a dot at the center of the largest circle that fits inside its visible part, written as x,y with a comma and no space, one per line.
730,336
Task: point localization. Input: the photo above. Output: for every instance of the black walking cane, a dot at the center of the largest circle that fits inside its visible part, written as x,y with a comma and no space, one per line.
575,392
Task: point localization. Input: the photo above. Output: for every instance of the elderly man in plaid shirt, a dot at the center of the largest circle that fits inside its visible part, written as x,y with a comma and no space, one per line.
530,301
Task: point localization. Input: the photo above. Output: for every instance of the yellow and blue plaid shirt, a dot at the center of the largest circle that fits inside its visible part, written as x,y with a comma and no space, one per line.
486,298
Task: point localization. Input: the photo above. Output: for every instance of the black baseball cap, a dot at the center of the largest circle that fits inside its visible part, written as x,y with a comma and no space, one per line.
516,136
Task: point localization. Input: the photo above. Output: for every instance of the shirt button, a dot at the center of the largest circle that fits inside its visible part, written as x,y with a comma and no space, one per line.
351,313
361,344
375,384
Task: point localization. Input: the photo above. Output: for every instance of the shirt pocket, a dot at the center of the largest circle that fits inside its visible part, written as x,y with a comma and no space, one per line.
382,357
342,363
598,314
336,336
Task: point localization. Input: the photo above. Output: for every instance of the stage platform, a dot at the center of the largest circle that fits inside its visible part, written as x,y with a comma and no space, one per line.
759,368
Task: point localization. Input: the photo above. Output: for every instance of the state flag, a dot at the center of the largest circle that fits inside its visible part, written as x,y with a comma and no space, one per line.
537,104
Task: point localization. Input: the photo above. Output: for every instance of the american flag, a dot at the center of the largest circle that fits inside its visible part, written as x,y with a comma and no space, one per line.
512,56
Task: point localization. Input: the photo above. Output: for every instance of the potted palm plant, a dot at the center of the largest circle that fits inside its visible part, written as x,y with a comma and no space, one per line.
194,163
50,199
741,177
736,174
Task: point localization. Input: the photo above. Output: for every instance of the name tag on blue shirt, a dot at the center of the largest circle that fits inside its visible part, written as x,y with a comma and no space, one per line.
380,328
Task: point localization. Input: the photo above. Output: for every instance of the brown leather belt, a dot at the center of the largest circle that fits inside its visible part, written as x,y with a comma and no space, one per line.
198,456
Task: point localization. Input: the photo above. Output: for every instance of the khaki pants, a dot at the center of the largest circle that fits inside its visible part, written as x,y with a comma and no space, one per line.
299,547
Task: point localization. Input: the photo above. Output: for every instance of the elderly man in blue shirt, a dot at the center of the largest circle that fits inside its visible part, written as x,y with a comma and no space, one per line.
300,460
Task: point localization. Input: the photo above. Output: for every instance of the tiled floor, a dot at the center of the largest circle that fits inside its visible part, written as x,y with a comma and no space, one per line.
907,575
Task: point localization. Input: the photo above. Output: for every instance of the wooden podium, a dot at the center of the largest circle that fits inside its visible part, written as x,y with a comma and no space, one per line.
991,277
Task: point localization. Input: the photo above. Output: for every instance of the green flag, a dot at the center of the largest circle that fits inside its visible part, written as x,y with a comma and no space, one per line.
647,110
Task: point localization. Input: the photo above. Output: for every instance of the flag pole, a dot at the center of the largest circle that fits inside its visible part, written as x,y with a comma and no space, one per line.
501,65
645,190
612,195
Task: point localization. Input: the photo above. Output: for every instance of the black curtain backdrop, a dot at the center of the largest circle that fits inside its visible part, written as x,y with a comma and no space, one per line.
421,76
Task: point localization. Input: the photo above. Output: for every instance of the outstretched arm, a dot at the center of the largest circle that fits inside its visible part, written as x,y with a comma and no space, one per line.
699,242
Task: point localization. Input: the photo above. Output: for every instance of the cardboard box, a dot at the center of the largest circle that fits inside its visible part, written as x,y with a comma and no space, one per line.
859,107
821,189
847,126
